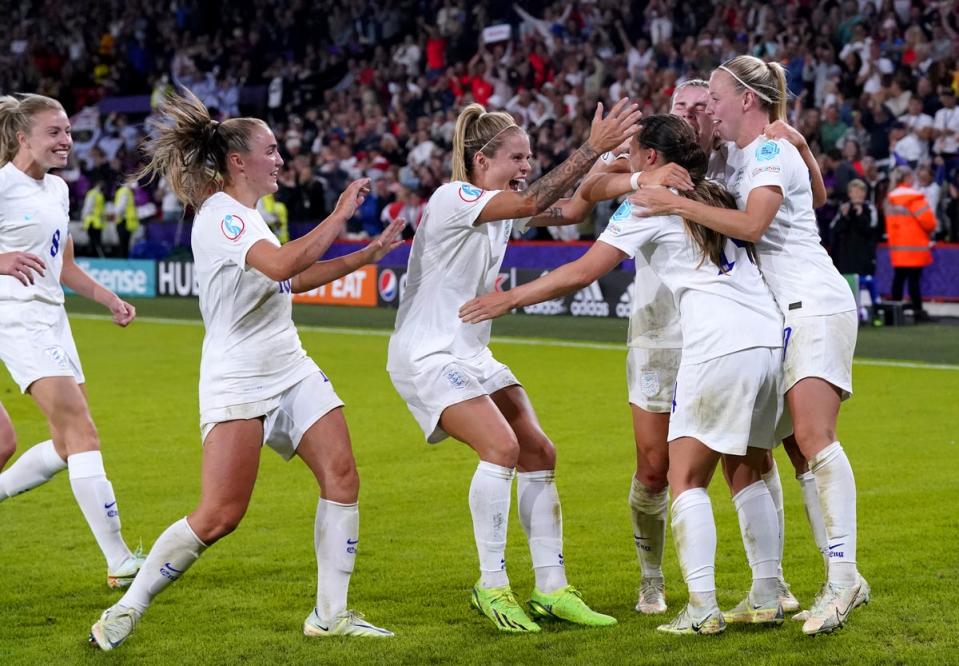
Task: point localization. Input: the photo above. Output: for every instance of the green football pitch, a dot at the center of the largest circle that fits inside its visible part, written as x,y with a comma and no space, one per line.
246,598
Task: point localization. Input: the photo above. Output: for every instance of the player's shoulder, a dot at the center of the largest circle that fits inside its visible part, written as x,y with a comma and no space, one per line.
222,213
457,193
771,150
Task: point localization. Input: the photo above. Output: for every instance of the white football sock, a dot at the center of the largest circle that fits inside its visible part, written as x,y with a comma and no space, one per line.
837,498
810,501
489,506
757,524
336,534
36,466
94,494
695,533
648,511
775,487
172,554
542,520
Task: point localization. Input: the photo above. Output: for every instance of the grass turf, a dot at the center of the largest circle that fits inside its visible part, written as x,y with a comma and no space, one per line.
245,599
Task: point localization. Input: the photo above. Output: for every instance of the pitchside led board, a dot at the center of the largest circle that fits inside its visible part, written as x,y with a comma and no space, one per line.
128,278
610,296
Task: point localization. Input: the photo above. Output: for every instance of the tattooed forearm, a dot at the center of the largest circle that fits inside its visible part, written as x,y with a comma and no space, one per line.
553,185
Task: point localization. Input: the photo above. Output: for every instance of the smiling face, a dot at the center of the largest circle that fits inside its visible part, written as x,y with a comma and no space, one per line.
261,165
509,166
47,143
725,106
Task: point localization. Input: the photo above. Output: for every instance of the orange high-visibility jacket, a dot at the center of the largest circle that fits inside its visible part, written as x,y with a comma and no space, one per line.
909,223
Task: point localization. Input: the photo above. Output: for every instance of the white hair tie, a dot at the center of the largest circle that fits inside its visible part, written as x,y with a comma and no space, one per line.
745,85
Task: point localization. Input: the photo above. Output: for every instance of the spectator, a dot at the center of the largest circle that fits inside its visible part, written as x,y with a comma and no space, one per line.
919,125
853,237
832,129
946,131
909,227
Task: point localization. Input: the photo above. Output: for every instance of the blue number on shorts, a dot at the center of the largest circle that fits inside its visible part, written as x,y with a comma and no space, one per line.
55,243
285,286
788,331
674,396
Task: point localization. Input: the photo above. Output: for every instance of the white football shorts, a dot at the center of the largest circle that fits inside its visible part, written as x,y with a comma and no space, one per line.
651,376
36,342
443,381
731,402
286,417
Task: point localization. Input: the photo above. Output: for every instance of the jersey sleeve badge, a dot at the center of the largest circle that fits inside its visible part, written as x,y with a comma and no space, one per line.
767,151
469,193
232,226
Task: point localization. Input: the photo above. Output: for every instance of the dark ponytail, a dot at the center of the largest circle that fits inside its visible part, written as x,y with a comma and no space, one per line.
676,142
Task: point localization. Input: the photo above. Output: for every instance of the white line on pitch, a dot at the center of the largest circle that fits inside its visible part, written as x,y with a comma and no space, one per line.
507,340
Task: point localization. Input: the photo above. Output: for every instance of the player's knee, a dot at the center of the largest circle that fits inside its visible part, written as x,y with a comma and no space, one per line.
342,481
538,453
813,437
503,452
651,478
219,524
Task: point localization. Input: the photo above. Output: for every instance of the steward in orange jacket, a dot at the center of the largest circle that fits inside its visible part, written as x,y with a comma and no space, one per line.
909,224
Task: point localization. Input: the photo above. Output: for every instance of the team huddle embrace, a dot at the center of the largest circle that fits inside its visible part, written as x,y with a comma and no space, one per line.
741,337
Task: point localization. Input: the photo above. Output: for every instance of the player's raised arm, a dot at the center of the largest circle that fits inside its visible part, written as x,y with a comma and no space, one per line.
605,134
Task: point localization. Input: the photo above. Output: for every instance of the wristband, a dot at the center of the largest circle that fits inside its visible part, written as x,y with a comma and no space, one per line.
634,181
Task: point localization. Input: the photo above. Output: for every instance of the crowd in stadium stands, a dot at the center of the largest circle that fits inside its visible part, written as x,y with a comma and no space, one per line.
372,88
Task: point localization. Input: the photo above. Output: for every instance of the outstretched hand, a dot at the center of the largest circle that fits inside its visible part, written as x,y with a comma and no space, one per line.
352,197
618,126
387,241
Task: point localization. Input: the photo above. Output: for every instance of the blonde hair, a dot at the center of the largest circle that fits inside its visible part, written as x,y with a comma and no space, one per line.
189,148
858,184
691,83
766,80
478,131
16,115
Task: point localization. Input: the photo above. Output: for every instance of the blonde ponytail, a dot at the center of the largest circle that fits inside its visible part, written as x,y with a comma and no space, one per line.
478,131
767,81
189,148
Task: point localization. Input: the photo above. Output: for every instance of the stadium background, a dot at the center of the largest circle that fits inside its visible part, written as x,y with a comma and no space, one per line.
372,89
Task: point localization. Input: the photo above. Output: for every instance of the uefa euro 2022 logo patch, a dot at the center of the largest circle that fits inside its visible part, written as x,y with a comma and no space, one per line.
624,211
767,151
232,226
470,193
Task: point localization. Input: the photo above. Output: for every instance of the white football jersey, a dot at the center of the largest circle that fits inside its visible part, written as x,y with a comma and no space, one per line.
251,350
719,312
793,261
654,319
34,217
451,262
